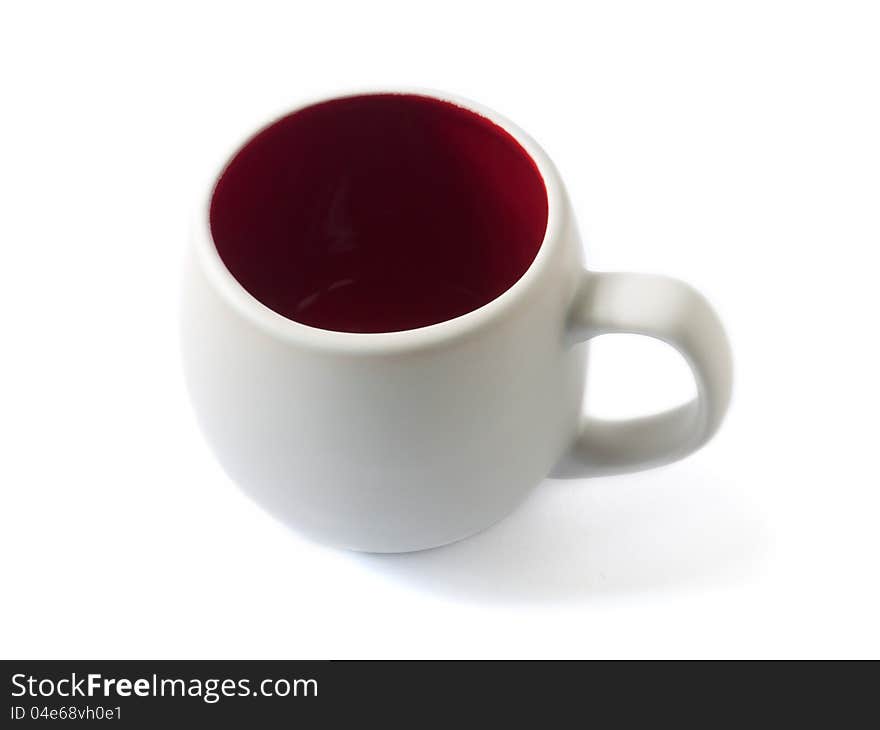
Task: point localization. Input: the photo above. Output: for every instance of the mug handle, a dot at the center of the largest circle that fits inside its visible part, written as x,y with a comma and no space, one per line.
676,313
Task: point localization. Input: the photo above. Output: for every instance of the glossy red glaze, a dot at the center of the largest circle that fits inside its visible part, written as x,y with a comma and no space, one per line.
379,213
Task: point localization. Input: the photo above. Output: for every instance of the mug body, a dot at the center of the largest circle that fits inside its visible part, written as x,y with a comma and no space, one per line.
399,440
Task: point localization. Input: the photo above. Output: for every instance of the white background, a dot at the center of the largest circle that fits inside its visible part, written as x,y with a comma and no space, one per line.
735,145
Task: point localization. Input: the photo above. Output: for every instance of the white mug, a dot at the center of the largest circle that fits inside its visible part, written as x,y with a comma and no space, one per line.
385,319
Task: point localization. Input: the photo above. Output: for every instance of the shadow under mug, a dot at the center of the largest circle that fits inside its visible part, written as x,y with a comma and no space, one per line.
384,320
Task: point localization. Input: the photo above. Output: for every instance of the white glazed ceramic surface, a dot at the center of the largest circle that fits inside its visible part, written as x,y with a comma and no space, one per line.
408,440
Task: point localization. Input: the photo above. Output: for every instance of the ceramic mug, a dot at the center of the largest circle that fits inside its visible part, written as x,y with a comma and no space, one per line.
385,320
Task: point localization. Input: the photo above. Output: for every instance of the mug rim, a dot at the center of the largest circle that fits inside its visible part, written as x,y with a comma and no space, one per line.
280,327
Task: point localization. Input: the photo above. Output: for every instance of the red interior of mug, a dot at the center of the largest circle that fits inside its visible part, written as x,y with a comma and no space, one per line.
379,213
